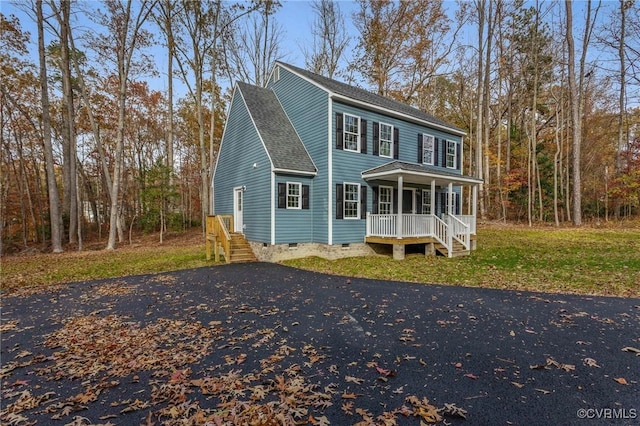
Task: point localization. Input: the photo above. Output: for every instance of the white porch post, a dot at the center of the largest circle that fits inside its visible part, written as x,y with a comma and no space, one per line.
399,217
450,201
433,196
474,202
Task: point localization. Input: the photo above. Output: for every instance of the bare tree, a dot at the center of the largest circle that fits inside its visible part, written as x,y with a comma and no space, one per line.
52,186
256,46
125,36
329,39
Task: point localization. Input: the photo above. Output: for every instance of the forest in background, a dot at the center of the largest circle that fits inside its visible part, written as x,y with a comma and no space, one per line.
548,92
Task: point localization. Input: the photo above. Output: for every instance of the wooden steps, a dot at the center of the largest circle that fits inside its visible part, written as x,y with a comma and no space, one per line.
240,249
458,250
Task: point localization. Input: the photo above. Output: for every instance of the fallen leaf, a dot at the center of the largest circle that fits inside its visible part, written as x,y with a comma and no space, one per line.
471,376
350,395
518,385
590,362
630,349
621,380
353,380
544,391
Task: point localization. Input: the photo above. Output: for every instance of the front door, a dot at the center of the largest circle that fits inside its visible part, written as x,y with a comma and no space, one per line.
238,205
408,200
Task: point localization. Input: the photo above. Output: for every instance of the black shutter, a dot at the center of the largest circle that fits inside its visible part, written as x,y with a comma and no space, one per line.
339,134
374,207
458,207
376,138
436,151
420,149
419,201
282,195
339,201
363,136
305,197
458,155
396,142
443,203
443,153
363,201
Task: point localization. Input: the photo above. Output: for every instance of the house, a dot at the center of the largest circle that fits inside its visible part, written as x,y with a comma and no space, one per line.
312,166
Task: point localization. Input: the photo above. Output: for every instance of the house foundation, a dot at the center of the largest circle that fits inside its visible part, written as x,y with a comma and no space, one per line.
280,252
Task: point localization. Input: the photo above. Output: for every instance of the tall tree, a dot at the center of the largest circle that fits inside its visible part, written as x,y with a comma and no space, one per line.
126,35
401,45
52,186
330,39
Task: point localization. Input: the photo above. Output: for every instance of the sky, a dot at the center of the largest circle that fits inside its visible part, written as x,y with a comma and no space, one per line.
295,17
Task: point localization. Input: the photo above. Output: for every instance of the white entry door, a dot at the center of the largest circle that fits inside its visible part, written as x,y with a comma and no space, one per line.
238,205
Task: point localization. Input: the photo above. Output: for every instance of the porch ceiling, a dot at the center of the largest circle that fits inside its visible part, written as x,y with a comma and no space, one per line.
418,174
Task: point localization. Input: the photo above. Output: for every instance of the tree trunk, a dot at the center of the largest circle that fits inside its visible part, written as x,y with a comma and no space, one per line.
52,186
575,118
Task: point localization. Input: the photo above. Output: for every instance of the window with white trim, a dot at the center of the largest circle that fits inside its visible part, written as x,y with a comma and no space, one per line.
426,201
351,201
385,199
451,154
294,195
386,140
351,133
428,146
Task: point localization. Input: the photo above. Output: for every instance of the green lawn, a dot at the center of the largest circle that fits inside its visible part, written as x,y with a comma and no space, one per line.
584,261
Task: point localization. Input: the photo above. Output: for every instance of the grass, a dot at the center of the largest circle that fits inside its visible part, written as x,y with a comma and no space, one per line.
583,261
182,251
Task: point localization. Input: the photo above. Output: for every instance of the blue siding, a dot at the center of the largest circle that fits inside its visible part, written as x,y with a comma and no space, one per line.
307,108
348,166
241,148
294,225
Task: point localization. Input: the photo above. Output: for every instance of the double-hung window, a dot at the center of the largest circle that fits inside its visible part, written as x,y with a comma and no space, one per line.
386,140
428,146
451,154
351,133
294,195
351,201
426,201
385,199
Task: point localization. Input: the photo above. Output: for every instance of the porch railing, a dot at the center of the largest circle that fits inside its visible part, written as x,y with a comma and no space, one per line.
458,230
218,236
445,230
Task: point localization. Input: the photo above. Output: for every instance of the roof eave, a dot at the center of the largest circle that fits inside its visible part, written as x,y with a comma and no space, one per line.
468,180
397,114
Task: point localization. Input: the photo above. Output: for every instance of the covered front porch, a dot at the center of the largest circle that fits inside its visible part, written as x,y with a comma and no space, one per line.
435,221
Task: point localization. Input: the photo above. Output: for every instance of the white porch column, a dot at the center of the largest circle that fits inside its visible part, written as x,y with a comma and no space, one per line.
450,200
474,202
399,217
433,196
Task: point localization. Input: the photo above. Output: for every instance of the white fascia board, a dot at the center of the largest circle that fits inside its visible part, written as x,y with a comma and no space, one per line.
396,114
293,172
386,174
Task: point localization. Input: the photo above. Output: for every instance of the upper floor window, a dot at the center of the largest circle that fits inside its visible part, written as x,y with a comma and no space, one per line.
428,147
351,133
451,154
386,140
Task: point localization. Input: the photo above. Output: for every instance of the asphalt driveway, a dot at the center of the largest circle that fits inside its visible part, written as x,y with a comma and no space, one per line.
267,344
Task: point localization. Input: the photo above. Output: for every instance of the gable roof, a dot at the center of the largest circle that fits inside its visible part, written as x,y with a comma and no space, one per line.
361,96
283,145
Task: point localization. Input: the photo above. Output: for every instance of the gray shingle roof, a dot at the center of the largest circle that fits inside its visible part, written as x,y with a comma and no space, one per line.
398,166
367,97
283,144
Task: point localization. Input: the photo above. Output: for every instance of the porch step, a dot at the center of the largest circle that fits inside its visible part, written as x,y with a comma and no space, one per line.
458,250
240,249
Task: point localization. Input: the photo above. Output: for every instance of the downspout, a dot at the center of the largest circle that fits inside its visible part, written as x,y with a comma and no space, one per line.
273,208
329,172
